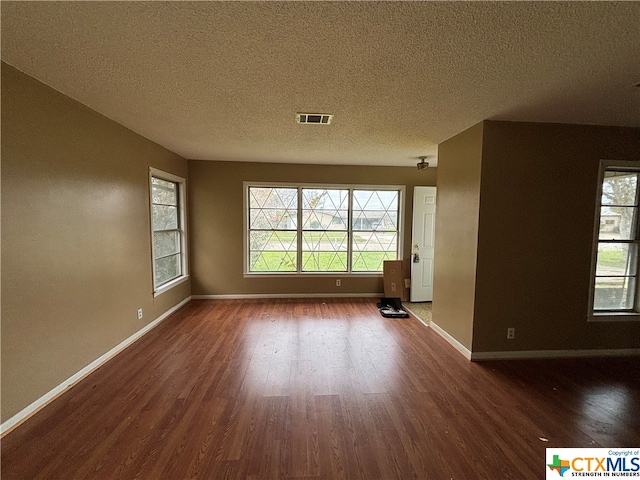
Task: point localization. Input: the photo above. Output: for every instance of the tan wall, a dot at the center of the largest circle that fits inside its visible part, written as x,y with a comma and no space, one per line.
456,235
76,255
216,199
537,209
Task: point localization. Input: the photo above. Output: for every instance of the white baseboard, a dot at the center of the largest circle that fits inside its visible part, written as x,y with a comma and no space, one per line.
622,352
285,295
461,348
41,402
514,355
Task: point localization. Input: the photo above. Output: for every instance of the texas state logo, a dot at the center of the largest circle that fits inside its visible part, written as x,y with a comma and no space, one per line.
559,465
592,462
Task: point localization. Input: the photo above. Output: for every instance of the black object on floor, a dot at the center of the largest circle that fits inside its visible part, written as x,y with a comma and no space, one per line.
391,308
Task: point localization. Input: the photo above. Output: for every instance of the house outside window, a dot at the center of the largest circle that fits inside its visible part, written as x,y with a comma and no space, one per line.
310,228
167,197
614,283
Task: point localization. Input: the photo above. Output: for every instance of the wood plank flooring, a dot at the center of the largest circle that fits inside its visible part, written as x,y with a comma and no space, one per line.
319,389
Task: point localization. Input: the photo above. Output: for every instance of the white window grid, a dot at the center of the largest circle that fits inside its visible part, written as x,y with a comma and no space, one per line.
400,189
183,273
614,314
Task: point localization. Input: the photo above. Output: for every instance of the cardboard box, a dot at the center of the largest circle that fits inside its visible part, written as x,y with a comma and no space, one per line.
394,276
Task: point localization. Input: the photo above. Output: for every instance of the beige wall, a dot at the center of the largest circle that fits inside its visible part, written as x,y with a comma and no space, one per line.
514,236
456,235
76,255
538,201
216,199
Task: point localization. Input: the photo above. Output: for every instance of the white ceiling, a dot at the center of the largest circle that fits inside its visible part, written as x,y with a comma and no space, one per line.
224,80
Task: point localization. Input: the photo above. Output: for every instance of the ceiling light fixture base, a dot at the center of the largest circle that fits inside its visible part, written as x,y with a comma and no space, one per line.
423,164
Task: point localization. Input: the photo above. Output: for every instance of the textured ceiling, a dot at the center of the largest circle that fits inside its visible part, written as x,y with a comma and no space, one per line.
223,80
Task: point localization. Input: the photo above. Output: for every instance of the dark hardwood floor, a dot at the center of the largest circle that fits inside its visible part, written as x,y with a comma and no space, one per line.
324,389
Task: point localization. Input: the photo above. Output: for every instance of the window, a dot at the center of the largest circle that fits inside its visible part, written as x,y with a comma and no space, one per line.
325,230
614,285
313,229
167,230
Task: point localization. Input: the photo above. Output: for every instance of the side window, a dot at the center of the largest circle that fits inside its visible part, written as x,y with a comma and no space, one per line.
167,230
615,285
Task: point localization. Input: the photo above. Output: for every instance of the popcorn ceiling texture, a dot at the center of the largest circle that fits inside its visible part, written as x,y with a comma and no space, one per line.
223,80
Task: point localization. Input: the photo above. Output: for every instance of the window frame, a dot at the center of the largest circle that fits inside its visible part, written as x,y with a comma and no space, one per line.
401,189
182,230
301,231
610,315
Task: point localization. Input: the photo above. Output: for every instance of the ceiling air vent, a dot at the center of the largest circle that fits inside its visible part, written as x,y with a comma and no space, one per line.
319,118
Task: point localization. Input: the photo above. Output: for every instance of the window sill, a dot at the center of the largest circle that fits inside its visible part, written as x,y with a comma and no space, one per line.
614,317
170,285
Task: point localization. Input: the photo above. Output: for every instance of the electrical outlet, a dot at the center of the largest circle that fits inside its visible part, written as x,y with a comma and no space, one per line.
338,282
511,333
139,314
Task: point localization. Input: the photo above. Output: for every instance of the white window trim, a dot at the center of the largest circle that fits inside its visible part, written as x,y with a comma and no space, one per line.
401,189
608,315
184,257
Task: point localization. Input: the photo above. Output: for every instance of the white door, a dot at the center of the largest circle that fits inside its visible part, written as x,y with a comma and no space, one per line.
422,241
